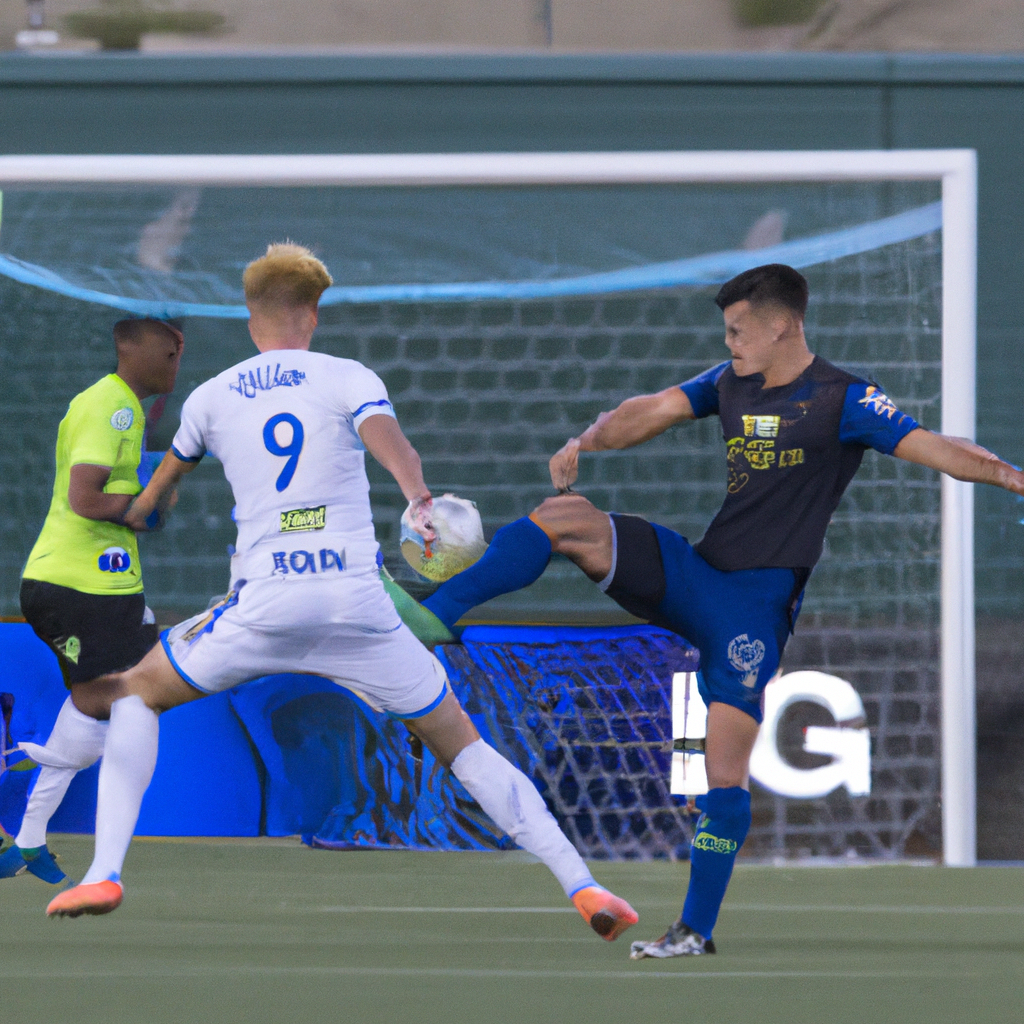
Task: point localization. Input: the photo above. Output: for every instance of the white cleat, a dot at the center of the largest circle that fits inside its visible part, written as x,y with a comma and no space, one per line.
679,940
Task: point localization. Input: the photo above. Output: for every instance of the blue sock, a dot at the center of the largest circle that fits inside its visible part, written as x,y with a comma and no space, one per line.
516,557
720,833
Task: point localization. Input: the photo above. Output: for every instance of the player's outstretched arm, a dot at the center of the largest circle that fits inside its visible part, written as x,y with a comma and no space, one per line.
959,458
385,441
160,493
636,420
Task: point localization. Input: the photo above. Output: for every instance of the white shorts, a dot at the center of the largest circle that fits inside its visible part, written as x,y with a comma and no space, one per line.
345,630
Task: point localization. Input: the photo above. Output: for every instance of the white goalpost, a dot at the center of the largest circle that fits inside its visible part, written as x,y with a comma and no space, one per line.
956,170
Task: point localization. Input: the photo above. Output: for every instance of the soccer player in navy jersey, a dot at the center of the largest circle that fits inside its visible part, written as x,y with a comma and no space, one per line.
796,428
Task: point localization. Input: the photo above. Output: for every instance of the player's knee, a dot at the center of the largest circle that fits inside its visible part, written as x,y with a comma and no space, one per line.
728,804
568,516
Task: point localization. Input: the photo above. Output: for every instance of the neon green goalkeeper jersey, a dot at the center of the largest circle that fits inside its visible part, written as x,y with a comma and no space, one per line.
103,427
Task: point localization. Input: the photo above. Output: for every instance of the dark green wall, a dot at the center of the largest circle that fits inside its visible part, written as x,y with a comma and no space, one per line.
215,104
137,104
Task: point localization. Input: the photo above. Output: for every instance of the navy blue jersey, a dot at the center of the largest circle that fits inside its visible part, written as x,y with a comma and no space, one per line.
791,452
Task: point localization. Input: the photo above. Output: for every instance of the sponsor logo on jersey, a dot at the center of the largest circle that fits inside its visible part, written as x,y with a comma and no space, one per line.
114,560
878,402
295,563
298,519
744,656
71,648
122,419
266,379
756,453
761,426
706,841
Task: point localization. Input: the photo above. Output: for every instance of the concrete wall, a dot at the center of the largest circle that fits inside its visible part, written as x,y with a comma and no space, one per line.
995,26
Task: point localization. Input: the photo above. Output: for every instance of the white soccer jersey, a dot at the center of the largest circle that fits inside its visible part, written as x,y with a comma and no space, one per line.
284,426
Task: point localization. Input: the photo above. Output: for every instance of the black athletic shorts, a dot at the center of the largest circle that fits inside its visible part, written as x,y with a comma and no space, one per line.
739,621
92,634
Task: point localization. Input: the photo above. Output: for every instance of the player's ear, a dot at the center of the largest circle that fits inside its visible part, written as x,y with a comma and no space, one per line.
782,322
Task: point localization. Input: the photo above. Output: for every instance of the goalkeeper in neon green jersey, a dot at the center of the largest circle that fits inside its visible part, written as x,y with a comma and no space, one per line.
81,590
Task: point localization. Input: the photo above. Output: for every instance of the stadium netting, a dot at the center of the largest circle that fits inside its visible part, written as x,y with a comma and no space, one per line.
488,383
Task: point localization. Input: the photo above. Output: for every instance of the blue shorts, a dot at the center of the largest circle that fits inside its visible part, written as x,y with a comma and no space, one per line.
738,621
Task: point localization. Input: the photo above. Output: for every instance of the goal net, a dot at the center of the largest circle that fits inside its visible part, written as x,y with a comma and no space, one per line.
505,305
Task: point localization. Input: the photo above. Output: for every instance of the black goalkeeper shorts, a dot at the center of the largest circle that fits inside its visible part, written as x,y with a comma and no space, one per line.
91,634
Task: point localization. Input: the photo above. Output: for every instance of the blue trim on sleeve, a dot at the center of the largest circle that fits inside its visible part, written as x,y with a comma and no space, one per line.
366,405
702,390
177,668
185,458
869,418
426,711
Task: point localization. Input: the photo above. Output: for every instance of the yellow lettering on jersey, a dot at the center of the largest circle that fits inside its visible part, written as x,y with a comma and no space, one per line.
737,478
791,457
761,426
759,455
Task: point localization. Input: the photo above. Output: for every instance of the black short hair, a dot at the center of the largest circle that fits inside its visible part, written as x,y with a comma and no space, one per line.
132,328
774,284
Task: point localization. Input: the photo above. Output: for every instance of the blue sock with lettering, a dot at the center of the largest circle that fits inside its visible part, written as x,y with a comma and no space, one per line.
720,833
518,555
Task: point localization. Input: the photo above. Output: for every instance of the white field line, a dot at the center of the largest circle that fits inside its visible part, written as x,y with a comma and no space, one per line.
791,908
443,910
825,908
638,973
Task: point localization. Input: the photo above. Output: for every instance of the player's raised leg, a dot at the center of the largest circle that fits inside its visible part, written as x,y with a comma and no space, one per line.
519,553
513,803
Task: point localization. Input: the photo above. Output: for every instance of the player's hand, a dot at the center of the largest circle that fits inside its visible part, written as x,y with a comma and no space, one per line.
136,516
418,517
1013,480
564,465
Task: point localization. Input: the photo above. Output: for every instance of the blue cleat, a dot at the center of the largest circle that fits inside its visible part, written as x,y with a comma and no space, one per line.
12,862
37,861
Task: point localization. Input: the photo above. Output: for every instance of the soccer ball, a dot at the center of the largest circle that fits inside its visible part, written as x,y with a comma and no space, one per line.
460,539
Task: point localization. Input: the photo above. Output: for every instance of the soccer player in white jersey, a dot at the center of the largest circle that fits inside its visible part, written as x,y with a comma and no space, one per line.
290,428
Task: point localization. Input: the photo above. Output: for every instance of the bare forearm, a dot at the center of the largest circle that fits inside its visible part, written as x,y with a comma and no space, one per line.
88,499
385,441
106,508
159,493
636,420
407,470
959,458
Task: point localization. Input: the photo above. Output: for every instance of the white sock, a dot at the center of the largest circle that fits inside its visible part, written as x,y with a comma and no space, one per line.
129,757
511,800
75,742
44,799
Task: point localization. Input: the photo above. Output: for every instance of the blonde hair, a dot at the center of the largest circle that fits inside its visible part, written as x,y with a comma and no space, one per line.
289,275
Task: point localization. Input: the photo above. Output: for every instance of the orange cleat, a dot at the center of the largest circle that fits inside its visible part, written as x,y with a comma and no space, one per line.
604,912
95,898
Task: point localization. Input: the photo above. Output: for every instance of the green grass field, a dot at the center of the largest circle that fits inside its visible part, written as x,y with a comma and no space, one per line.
268,931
